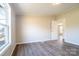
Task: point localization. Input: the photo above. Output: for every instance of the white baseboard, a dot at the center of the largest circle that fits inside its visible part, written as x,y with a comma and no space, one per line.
30,42
72,43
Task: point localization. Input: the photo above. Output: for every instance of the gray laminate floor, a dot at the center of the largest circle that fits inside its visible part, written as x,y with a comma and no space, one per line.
48,48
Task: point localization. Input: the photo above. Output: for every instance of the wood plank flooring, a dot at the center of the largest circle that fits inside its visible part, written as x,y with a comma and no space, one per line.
48,48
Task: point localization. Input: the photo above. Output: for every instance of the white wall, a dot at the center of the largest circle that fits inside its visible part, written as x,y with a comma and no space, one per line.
33,28
71,34
10,49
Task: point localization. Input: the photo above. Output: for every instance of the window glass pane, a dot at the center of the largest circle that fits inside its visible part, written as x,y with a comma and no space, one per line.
2,13
3,22
2,42
4,27
3,35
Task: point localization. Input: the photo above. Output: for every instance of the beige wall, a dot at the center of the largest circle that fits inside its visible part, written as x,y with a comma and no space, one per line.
10,49
33,28
71,31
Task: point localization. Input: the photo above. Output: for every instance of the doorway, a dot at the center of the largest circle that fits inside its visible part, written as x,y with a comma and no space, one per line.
60,32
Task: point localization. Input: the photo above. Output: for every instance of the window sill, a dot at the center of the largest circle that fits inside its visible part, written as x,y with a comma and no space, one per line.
4,48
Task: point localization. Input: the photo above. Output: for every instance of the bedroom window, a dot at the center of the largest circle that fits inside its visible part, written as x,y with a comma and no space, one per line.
4,25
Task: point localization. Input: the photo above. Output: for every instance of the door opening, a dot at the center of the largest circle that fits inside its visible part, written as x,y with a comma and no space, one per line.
60,32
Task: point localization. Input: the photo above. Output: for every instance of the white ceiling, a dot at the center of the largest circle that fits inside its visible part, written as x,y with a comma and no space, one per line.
42,8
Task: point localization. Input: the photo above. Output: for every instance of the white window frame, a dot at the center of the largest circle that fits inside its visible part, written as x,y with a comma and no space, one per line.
5,46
